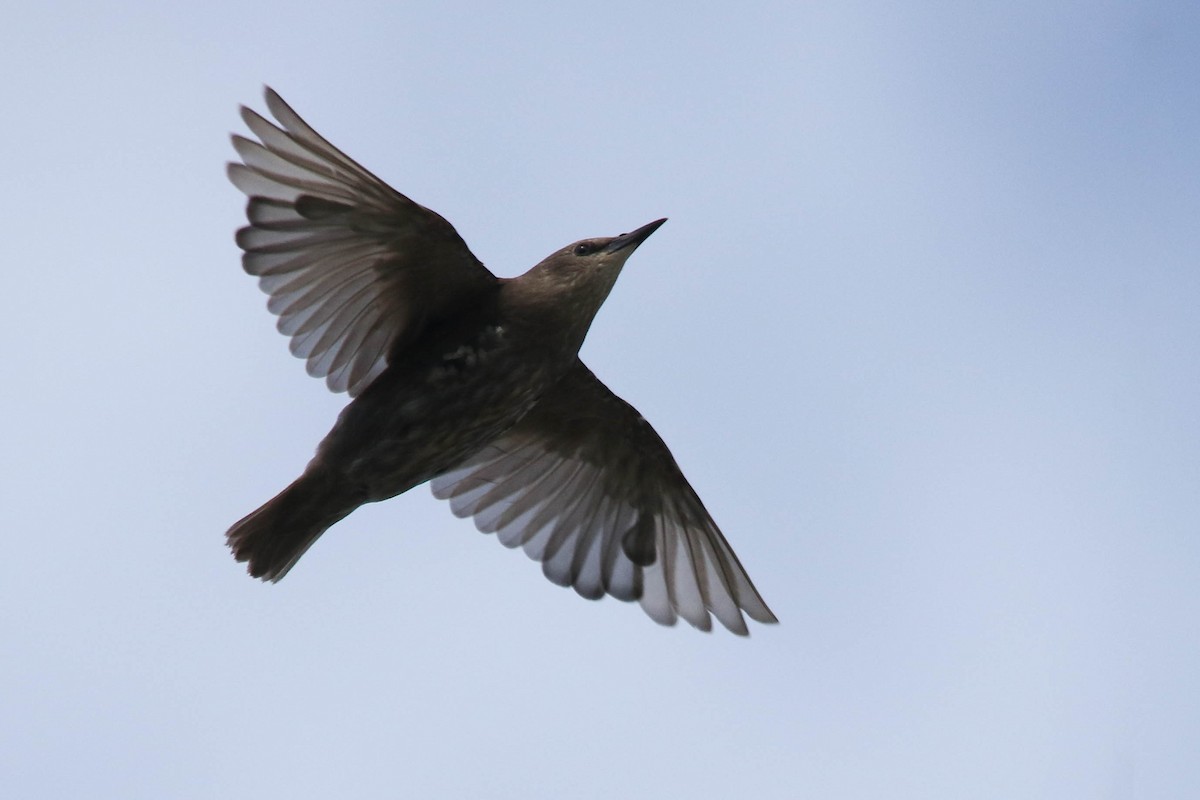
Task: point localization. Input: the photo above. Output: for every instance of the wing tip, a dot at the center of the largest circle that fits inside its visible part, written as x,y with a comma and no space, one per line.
271,97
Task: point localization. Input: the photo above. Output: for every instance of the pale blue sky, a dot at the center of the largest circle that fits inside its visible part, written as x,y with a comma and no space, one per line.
922,331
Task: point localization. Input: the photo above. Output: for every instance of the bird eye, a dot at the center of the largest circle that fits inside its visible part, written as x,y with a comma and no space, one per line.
585,249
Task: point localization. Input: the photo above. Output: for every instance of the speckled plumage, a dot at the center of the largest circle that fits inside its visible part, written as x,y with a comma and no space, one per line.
468,381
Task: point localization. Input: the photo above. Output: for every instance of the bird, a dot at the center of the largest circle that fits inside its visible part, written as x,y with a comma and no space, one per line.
470,382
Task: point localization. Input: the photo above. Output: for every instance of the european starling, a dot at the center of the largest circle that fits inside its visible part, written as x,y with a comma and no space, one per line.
466,380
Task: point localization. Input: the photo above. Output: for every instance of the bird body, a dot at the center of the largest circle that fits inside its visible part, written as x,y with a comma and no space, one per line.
451,393
467,380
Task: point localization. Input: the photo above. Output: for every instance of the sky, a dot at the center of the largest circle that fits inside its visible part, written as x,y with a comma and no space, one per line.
922,332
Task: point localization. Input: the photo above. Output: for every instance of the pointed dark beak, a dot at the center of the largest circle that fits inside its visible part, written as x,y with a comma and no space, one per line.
634,238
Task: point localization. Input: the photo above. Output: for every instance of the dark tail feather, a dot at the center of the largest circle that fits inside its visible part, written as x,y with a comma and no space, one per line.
274,537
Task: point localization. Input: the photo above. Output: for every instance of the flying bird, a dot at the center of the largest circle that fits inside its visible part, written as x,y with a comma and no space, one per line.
467,381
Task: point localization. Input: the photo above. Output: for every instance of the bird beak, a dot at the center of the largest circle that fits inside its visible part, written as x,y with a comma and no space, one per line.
634,238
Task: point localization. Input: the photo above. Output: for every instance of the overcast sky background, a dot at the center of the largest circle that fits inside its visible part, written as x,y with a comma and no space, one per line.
922,331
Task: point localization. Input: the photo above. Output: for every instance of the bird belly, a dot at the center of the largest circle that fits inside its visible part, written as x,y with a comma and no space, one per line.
418,421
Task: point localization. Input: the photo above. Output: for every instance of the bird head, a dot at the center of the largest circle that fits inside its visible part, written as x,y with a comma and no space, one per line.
569,286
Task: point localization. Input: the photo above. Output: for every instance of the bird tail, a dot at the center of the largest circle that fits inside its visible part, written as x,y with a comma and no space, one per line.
273,538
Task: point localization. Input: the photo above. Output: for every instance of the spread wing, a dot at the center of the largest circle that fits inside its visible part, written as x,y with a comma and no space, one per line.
584,485
352,266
